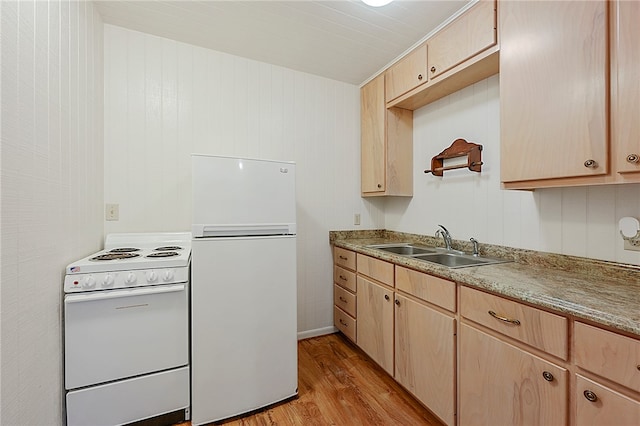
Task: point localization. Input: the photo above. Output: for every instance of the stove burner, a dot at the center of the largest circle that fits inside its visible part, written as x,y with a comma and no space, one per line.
163,254
113,256
123,250
168,248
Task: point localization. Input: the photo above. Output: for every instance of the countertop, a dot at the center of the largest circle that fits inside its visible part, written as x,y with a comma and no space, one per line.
605,293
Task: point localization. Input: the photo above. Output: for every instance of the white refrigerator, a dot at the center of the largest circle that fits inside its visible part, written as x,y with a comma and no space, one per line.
243,286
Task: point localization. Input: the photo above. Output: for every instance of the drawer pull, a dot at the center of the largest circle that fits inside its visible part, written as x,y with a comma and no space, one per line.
547,376
343,258
420,77
342,299
509,320
343,323
343,278
590,396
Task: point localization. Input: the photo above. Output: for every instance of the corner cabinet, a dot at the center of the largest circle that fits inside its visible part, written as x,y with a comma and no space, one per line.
567,71
386,144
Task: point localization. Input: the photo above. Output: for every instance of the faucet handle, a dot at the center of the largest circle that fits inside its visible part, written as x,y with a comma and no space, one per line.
475,246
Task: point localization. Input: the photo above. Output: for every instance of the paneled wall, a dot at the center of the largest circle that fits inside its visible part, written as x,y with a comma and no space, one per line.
573,221
165,100
51,182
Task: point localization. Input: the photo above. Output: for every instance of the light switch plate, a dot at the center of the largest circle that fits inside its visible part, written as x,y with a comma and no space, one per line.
112,212
356,219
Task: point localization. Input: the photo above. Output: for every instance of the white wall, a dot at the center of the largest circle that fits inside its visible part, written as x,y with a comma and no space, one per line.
573,221
165,100
51,182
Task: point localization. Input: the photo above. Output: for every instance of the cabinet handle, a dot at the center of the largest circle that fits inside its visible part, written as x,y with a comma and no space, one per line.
379,185
342,299
547,376
342,257
638,367
591,164
343,323
397,302
343,278
590,396
386,297
420,77
505,319
633,158
433,69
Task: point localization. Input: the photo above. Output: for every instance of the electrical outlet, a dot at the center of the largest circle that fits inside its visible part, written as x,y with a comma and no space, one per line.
629,245
112,212
356,219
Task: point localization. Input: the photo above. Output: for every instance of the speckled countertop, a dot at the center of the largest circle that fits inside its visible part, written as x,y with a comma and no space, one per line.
606,293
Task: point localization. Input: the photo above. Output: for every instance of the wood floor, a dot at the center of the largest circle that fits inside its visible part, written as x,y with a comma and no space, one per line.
340,385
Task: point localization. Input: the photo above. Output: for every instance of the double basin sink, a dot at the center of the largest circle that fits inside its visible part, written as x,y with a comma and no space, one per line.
444,257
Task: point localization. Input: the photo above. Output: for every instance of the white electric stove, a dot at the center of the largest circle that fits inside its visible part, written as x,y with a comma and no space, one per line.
127,331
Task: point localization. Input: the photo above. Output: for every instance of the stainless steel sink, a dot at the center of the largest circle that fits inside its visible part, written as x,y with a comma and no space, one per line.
406,250
449,258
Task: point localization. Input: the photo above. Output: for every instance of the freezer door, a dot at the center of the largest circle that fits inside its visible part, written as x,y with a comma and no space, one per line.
253,195
244,333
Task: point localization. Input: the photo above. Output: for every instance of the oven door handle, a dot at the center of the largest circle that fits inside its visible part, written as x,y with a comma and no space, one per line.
115,294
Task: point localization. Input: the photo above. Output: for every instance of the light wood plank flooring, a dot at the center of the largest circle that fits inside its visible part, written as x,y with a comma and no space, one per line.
340,385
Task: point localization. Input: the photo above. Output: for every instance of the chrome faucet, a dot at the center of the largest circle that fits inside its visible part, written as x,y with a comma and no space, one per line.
442,232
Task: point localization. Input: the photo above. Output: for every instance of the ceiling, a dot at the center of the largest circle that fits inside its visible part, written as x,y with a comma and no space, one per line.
344,40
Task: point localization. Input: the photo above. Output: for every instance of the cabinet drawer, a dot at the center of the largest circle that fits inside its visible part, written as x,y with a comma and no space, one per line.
543,330
607,354
377,269
344,278
599,405
432,289
345,258
345,300
344,323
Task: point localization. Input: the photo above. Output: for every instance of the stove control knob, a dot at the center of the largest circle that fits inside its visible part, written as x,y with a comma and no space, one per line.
108,281
151,276
131,279
89,282
168,275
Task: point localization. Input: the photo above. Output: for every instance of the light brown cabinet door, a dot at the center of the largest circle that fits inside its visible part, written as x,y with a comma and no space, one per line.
553,89
407,74
598,405
373,142
425,356
625,112
500,384
468,35
375,322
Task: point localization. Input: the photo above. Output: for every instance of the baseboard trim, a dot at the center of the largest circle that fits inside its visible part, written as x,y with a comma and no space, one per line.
316,332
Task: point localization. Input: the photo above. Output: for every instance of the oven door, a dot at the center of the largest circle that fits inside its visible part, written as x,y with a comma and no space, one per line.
115,334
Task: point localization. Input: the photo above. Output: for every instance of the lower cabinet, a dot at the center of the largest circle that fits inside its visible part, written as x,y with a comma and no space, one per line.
598,405
501,384
425,355
375,322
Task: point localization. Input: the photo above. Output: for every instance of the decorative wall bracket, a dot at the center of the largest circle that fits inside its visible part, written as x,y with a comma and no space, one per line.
459,148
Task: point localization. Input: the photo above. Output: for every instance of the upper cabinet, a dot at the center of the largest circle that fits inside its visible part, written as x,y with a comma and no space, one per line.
406,74
462,53
558,127
468,35
386,144
625,83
